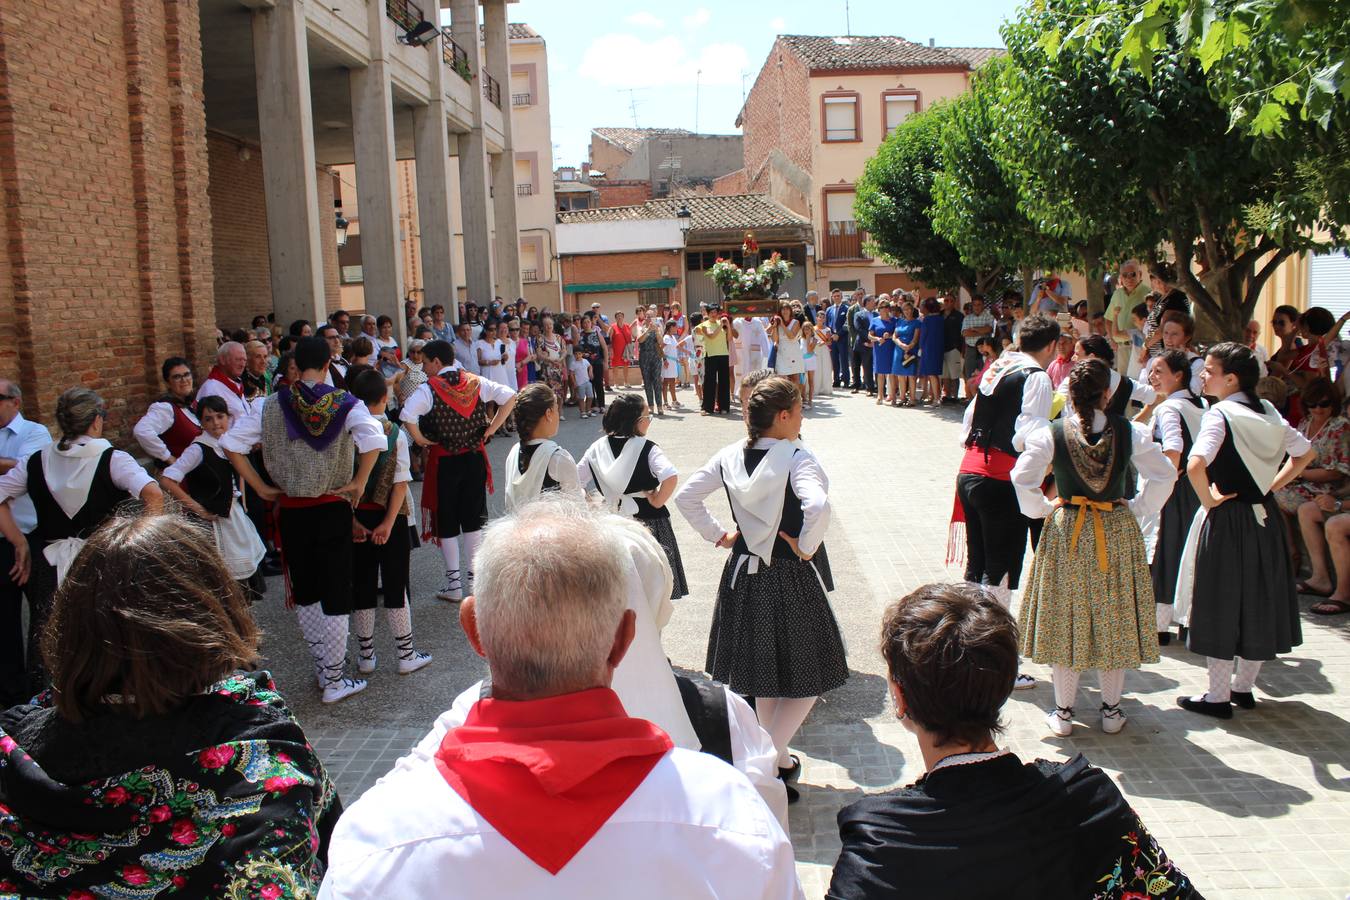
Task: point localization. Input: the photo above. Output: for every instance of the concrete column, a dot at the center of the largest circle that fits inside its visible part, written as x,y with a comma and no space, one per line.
479,274
497,46
377,176
290,178
431,144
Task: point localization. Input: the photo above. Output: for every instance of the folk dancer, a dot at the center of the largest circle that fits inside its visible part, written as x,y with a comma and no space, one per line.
537,464
170,425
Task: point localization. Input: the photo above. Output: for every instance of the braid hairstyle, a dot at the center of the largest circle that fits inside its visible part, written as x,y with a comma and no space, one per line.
1088,383
76,410
533,403
1098,347
769,398
622,415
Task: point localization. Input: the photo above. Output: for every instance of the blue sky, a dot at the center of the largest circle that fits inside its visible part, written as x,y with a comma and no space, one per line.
598,50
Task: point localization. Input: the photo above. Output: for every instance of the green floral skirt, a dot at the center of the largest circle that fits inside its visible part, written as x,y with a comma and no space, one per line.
1074,614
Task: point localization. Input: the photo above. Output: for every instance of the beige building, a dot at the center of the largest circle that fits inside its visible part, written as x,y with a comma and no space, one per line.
532,272
818,110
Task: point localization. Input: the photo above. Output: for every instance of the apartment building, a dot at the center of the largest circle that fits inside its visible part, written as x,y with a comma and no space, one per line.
818,110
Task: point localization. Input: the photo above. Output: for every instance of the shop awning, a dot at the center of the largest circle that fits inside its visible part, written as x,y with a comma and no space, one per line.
603,287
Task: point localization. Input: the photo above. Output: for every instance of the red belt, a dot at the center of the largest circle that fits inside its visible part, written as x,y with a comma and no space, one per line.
289,502
370,507
430,499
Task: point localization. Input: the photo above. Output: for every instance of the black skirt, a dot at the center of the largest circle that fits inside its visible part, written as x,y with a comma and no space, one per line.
1244,602
774,633
665,536
1174,523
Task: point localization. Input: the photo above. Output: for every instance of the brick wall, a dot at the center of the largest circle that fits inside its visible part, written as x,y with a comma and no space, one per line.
611,267
623,193
730,183
106,219
777,115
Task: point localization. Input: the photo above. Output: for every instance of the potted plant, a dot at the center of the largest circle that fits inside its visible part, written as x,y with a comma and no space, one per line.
750,290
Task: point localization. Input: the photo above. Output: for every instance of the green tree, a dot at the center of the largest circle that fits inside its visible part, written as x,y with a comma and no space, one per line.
893,199
975,204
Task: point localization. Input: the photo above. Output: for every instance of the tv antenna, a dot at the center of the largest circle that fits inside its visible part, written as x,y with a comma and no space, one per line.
698,79
848,26
632,103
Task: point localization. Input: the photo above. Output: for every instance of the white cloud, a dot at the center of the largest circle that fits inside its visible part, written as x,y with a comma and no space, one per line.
626,60
698,18
645,19
777,24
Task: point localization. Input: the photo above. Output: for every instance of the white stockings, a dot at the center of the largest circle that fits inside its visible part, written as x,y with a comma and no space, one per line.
327,639
782,717
1228,675
1066,680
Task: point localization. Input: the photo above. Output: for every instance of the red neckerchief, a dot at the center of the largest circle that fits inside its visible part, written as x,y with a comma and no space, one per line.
218,374
461,395
548,774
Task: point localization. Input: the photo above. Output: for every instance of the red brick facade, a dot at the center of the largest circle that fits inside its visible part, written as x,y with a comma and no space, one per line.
777,116
106,224
730,183
623,193
607,268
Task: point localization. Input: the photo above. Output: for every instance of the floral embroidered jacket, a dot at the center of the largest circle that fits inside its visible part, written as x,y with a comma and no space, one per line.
1003,829
223,798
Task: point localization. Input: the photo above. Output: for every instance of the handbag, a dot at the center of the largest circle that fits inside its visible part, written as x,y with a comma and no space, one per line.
909,359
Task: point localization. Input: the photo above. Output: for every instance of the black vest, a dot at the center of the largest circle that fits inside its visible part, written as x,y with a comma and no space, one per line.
526,454
995,418
102,501
1119,483
212,483
641,480
1119,404
1187,439
1230,475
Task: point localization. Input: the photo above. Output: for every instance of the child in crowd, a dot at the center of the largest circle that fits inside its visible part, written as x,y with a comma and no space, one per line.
382,540
202,479
580,374
537,464
670,363
809,344
634,477
1138,316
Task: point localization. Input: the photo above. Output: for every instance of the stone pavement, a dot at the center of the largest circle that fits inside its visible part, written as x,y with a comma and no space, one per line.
1258,806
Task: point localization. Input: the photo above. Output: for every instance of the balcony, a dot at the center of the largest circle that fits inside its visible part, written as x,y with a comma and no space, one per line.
524,190
455,56
405,13
526,99
492,90
843,241
529,276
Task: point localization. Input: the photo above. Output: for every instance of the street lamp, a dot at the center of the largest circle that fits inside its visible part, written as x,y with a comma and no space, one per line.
686,219
341,226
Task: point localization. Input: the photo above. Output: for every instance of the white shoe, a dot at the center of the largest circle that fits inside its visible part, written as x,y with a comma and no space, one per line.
365,655
1113,720
411,664
1023,682
1060,721
342,689
366,664
454,588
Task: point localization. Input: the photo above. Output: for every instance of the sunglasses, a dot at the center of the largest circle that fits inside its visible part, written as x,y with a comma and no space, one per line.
1320,404
1129,274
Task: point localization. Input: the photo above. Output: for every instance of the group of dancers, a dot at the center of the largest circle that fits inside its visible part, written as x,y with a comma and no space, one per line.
1136,525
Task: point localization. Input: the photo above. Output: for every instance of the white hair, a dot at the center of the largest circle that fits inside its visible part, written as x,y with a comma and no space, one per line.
227,348
547,621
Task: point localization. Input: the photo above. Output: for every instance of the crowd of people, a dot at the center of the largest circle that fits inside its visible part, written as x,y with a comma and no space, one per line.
144,751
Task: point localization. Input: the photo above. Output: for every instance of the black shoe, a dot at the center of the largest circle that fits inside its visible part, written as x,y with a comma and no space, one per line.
1244,699
1206,708
269,568
793,794
1182,632
1164,638
792,772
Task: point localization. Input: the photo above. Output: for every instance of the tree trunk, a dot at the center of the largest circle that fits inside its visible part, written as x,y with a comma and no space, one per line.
1028,282
1092,271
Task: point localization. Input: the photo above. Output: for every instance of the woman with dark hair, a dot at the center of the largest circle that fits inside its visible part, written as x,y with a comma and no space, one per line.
1235,588
537,464
880,334
647,334
1163,279
774,636
385,339
1089,598
633,476
1329,433
300,328
981,823
1123,390
169,424
930,351
154,765
905,363
1176,422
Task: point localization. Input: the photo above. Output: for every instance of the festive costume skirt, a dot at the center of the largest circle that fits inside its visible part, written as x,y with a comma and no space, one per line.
1074,614
238,543
773,631
1174,522
665,536
1244,602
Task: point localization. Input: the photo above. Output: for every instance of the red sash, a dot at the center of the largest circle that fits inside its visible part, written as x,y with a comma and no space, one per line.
548,774
463,398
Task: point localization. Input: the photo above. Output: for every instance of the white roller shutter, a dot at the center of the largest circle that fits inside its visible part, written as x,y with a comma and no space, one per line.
1329,284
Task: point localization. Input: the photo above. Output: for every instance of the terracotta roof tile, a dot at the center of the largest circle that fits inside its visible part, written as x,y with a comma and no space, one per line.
630,138
867,52
712,212
975,56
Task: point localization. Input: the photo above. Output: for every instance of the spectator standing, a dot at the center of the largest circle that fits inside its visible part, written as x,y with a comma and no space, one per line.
880,335
1062,364
169,424
860,328
1131,289
1163,282
551,355
931,351
591,341
836,318
712,332
441,330
979,323
463,345
19,440
953,348
1051,296
905,365
620,339
647,334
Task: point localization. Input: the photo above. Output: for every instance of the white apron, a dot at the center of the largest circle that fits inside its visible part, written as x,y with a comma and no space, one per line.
612,474
522,487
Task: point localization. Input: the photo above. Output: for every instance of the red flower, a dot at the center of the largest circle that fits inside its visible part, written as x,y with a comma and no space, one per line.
7,744
283,757
159,813
184,832
117,796
133,874
280,783
1134,895
77,895
216,757
272,892
228,829
179,881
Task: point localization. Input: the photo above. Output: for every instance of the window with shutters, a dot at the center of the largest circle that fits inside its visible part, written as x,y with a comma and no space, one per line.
843,239
839,117
897,106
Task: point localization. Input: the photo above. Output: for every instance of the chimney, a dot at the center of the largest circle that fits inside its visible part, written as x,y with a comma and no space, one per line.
932,42
585,172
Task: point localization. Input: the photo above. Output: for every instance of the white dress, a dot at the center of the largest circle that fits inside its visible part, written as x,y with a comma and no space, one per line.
670,356
789,360
824,367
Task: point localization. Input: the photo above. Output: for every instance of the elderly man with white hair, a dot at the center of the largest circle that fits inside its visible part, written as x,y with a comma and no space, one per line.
225,380
550,788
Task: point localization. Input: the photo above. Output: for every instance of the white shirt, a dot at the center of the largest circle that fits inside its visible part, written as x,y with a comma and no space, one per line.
1141,393
695,828
465,355
360,424
562,468
657,461
1038,394
191,459
1214,428
158,419
125,472
1196,385
581,370
1168,422
808,483
492,352
239,407
1156,472
419,404
754,337
19,440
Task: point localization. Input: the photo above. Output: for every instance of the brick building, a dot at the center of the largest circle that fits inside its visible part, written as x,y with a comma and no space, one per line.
168,171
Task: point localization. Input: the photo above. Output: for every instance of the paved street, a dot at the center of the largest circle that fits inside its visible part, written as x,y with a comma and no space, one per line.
1253,807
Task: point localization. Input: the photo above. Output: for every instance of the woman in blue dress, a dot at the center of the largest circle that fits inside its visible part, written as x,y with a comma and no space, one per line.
930,351
907,333
883,352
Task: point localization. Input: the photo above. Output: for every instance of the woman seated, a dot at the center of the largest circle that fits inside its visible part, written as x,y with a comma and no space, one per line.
154,765
982,823
1329,432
